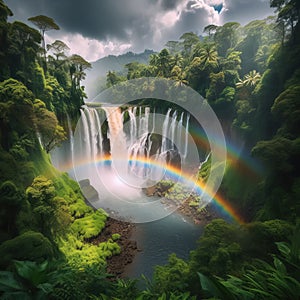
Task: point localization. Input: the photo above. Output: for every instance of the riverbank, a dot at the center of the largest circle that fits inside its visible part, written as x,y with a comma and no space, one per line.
188,207
201,217
117,263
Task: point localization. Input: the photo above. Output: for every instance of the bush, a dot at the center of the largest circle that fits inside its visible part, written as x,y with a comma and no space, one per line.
27,246
115,236
89,226
79,209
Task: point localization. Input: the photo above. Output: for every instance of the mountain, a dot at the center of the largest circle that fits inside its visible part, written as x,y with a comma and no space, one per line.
96,77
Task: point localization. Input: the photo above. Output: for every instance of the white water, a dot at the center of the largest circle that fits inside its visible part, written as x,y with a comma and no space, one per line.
119,187
119,183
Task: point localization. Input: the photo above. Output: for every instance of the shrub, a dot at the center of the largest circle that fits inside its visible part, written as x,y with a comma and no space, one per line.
89,226
27,246
115,236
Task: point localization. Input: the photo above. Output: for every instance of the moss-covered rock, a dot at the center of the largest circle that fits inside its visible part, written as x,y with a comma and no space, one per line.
28,246
79,209
89,226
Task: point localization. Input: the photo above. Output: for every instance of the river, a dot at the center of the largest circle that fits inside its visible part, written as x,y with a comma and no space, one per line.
158,239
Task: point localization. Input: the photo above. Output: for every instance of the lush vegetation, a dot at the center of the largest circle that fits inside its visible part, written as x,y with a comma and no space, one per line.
250,76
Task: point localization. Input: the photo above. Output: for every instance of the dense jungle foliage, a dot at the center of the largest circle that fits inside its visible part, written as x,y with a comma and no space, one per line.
250,75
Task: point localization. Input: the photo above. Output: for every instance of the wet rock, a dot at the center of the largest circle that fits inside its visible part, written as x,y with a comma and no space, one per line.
88,190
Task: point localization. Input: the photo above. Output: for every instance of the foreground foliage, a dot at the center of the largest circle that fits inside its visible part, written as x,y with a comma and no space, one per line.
249,75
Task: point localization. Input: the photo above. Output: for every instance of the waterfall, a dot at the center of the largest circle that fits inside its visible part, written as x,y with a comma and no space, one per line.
85,135
133,125
99,137
179,132
184,154
172,129
115,160
137,142
118,147
165,132
39,137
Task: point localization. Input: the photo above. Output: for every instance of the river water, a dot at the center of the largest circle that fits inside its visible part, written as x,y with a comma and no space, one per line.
160,230
158,239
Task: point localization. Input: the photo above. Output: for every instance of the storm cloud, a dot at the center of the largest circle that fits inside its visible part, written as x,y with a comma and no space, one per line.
97,28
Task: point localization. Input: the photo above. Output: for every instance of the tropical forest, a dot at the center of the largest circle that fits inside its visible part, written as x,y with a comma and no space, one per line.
177,180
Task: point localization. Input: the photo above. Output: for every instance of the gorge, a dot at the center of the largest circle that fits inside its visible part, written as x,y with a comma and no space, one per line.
116,154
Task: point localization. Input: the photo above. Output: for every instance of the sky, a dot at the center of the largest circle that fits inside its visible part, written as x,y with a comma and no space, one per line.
97,28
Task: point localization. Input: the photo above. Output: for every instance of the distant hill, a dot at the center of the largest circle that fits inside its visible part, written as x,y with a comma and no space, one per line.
96,77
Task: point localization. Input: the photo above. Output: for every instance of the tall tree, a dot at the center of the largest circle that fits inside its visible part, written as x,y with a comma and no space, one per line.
288,14
77,68
189,39
4,26
226,37
209,56
250,80
58,48
44,23
210,29
173,46
162,62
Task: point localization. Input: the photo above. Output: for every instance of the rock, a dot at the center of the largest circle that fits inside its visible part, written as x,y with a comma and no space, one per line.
150,191
84,182
88,190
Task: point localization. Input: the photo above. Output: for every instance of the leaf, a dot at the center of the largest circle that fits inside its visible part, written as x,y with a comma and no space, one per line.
31,271
8,282
46,287
279,265
283,248
16,296
216,288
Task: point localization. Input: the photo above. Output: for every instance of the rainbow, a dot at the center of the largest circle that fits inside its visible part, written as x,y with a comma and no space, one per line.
247,165
200,187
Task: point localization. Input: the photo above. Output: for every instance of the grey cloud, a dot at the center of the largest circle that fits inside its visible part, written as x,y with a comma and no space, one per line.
132,21
244,11
169,4
94,19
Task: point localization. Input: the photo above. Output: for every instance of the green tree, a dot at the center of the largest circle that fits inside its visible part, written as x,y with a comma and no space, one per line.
174,47
286,107
209,57
112,78
288,14
52,134
210,29
58,48
5,12
29,245
41,196
178,75
22,51
44,23
78,65
226,37
162,62
171,277
261,280
250,80
189,40
10,201
16,111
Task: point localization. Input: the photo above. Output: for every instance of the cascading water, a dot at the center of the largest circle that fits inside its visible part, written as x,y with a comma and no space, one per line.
117,173
85,135
164,143
137,143
123,152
